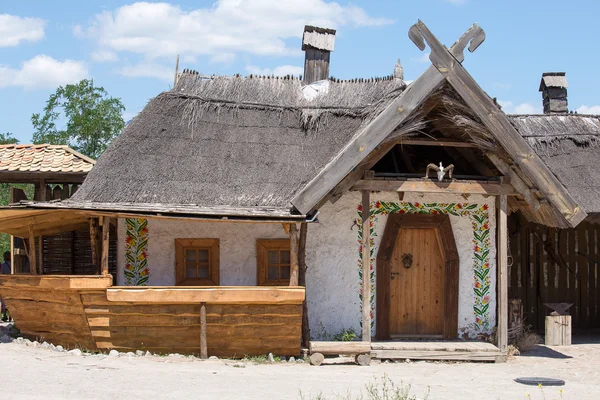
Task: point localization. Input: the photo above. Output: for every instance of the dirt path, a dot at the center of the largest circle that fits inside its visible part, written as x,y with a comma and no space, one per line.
36,373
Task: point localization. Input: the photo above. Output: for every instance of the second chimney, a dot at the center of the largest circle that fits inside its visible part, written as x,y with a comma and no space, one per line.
317,44
554,92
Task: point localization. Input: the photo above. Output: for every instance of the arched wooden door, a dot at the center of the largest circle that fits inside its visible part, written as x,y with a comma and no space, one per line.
417,279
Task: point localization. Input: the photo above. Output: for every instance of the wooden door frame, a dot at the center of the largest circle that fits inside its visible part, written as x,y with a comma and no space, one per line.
441,223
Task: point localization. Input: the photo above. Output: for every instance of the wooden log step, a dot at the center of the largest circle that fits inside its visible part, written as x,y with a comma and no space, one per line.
337,348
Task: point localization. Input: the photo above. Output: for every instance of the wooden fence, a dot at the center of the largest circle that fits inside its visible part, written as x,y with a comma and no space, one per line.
549,265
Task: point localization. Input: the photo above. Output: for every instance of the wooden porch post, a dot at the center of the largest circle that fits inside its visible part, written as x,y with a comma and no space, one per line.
366,262
502,273
293,255
203,344
302,281
105,243
32,252
94,243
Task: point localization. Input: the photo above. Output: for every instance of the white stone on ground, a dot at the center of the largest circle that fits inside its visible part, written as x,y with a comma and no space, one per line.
139,353
292,359
59,348
213,358
271,358
75,352
113,353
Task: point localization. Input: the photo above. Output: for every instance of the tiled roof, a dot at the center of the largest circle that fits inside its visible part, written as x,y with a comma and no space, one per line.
43,158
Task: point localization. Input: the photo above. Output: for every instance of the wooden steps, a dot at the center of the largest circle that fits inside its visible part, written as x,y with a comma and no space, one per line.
436,350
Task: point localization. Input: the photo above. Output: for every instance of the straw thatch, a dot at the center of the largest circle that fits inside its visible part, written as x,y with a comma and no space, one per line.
570,145
232,141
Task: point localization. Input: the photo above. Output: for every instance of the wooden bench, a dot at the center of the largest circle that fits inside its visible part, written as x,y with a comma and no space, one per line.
360,350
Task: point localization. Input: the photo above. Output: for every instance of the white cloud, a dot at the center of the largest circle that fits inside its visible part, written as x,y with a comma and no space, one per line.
502,85
593,110
43,72
282,70
524,108
422,59
228,27
104,56
149,70
14,30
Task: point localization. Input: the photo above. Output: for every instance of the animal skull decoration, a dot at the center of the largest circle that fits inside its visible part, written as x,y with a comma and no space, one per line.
441,171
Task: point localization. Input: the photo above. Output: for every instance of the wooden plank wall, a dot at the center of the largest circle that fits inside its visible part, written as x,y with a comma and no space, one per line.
55,316
233,330
552,265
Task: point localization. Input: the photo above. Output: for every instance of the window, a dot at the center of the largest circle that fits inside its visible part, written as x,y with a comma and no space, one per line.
273,262
197,262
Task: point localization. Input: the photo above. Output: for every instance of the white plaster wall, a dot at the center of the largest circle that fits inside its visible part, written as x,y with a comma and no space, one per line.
332,256
237,243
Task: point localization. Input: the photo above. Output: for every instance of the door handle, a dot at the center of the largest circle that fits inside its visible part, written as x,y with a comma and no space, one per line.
394,273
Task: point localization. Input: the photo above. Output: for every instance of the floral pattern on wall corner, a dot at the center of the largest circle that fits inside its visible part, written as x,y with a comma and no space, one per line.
136,252
480,222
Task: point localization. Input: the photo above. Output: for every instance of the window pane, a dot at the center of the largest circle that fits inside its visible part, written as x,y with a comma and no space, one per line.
203,255
190,255
203,271
273,272
272,257
190,270
285,256
284,272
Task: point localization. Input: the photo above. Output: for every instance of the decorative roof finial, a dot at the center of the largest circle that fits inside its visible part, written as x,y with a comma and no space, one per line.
398,71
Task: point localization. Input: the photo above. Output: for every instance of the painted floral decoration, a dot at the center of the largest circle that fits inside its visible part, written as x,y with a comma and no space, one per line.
479,215
136,252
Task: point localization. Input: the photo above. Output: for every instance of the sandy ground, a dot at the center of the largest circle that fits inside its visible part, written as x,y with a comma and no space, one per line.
37,373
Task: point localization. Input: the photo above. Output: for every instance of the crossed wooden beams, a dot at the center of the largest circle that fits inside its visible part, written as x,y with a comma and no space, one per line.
372,142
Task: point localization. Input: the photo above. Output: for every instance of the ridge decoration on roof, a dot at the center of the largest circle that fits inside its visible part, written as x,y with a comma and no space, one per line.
43,158
377,136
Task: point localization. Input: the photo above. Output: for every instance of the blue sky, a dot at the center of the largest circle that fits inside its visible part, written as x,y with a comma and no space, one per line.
129,48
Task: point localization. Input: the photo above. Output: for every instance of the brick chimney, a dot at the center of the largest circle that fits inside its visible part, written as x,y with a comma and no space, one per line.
317,44
554,92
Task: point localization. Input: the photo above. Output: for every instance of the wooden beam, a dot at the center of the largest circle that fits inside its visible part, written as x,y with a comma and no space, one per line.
499,125
375,133
337,348
203,344
286,228
440,143
293,255
302,281
208,294
515,181
94,243
105,245
502,273
423,186
366,267
32,253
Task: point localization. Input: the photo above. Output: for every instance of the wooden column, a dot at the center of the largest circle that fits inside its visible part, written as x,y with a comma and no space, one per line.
32,252
502,273
302,281
203,345
94,243
293,255
105,244
366,262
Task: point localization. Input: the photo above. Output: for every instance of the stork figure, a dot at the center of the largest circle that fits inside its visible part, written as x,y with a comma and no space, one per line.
441,171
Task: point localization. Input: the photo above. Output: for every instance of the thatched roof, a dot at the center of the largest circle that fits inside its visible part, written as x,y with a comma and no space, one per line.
231,141
570,145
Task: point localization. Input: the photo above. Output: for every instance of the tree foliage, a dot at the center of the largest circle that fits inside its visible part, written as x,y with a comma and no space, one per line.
93,118
8,138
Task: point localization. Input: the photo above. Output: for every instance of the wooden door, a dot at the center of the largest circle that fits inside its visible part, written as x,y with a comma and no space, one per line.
417,284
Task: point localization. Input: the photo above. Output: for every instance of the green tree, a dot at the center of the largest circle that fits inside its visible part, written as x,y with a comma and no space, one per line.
8,138
93,118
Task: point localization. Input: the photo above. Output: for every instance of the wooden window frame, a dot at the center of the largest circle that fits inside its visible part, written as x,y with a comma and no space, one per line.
262,246
212,245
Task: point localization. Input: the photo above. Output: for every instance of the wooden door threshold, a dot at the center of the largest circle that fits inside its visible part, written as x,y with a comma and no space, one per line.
437,350
406,336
